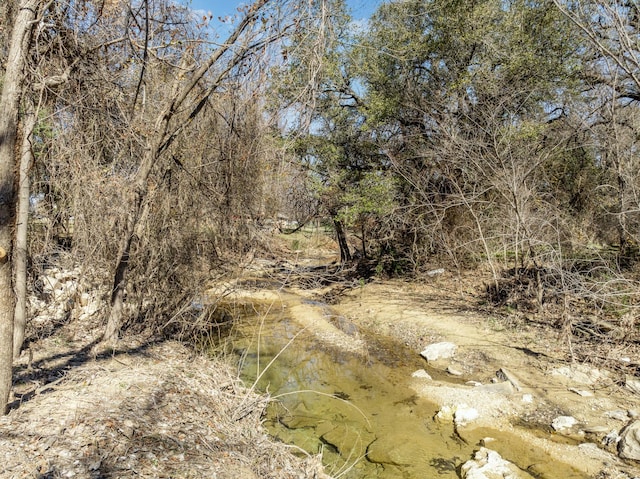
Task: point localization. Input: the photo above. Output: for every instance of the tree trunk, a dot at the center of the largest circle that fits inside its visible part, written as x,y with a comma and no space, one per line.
363,239
6,24
623,244
345,254
20,255
10,106
114,323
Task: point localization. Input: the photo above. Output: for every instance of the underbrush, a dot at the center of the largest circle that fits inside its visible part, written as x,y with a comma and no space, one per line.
593,306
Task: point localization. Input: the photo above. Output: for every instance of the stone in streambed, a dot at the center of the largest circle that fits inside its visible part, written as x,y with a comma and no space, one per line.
505,387
464,415
422,374
348,440
629,445
397,449
299,418
460,415
563,423
436,351
488,464
581,392
505,375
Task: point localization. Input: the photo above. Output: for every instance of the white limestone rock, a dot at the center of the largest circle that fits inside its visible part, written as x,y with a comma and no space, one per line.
437,351
581,392
563,423
488,464
579,374
629,445
422,374
618,415
460,414
445,414
505,387
464,415
505,375
435,272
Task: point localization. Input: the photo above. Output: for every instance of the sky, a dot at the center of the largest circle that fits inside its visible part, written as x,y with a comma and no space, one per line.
360,9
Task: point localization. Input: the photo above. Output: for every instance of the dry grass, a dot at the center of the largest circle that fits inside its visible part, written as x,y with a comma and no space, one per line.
150,410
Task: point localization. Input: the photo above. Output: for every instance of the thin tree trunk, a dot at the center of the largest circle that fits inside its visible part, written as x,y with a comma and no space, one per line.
112,329
345,254
20,254
622,214
9,108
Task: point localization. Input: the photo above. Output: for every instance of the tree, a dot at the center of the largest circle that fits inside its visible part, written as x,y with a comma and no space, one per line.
611,32
331,139
10,106
21,240
49,63
440,78
120,91
192,88
6,13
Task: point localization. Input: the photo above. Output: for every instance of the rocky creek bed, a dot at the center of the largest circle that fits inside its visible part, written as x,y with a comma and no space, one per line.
482,399
485,399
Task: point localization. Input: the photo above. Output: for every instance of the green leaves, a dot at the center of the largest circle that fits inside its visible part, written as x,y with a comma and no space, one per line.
373,195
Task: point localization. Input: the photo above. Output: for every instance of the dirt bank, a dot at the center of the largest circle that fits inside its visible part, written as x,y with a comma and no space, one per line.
147,409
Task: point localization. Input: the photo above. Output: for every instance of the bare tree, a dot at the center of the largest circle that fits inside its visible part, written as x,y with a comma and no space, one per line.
10,106
612,29
247,37
6,13
21,244
48,69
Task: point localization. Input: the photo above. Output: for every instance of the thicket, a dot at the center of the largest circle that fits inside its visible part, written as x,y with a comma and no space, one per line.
493,136
500,136
150,163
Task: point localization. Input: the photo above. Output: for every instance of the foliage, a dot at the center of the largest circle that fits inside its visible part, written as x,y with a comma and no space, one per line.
495,133
489,132
373,195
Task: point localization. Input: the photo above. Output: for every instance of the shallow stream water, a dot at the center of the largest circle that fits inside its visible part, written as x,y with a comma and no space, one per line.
358,410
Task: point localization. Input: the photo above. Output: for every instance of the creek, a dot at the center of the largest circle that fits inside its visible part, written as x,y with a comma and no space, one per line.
359,410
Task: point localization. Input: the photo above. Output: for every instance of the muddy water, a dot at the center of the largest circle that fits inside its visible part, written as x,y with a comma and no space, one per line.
359,410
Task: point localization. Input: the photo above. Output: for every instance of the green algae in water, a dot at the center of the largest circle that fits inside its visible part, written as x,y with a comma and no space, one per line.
360,412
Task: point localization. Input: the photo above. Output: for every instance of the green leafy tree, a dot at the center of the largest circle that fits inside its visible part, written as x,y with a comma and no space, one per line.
331,138
461,97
